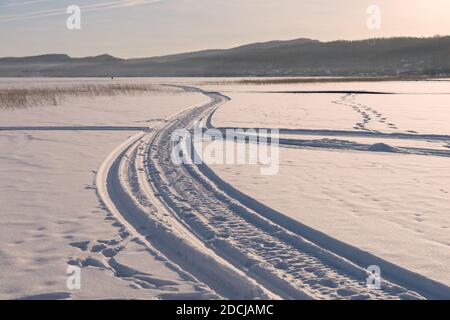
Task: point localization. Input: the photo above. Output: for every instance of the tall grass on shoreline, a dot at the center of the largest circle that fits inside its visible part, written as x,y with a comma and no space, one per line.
21,98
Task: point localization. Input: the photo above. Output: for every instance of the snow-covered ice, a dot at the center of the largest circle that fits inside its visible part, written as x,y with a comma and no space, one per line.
90,183
395,206
51,215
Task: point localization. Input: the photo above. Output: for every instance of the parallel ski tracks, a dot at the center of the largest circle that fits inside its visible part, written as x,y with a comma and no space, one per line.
181,209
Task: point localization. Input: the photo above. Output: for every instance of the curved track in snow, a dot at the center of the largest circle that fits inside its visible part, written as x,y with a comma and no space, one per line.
222,238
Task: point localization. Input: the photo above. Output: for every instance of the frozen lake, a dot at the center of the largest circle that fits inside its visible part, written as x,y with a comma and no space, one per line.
393,202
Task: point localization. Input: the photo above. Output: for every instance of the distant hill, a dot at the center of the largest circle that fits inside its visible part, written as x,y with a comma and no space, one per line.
300,57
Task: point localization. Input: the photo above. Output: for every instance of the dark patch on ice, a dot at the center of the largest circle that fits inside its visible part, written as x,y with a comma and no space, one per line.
82,245
47,296
327,91
98,247
382,147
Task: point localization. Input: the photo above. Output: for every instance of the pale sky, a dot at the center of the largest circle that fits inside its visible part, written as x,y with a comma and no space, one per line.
143,28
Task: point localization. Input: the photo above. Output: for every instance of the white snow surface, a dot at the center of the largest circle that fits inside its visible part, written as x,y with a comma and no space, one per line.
51,215
414,113
131,244
395,206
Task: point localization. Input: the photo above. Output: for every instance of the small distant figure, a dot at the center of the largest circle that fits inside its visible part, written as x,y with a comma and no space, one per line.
112,78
